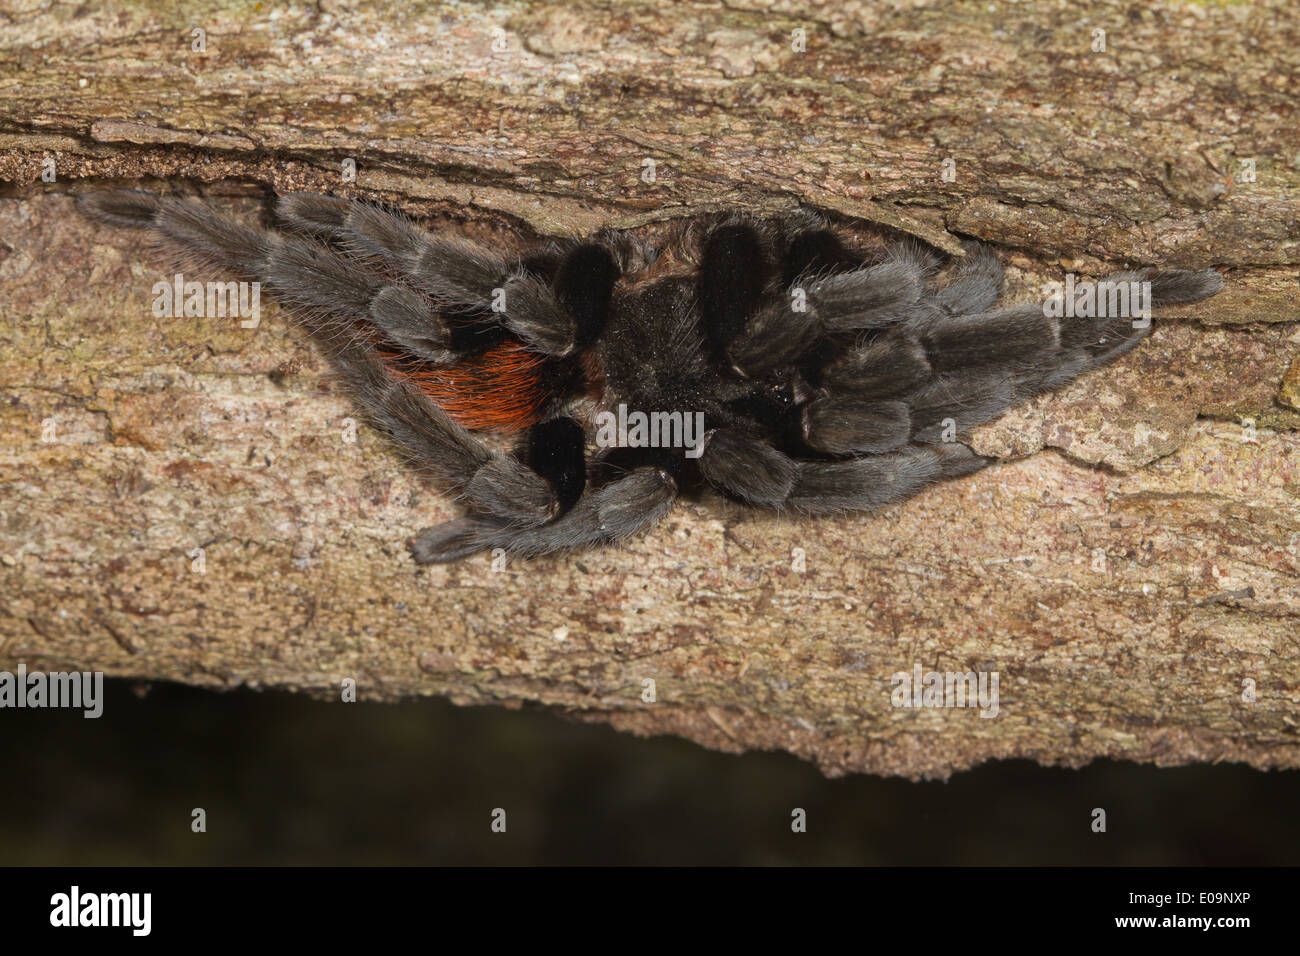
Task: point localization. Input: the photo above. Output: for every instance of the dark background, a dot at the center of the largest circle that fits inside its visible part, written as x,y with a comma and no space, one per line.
288,779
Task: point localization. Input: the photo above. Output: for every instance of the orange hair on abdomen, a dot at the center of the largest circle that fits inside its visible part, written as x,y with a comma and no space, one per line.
499,389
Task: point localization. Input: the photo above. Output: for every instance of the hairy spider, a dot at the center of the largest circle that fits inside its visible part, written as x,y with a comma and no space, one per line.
821,381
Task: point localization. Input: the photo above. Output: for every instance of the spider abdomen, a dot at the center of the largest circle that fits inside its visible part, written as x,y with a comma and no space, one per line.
501,389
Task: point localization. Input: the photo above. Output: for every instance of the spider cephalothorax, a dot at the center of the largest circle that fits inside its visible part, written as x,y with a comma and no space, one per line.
763,358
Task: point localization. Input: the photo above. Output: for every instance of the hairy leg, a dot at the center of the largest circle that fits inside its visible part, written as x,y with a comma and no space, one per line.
327,294
556,318
608,514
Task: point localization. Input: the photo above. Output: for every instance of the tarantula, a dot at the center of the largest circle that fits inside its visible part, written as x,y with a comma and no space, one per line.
824,381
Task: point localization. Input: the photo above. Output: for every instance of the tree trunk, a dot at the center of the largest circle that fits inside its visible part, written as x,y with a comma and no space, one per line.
181,500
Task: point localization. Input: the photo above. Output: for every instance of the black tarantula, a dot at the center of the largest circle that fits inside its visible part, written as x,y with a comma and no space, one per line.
822,381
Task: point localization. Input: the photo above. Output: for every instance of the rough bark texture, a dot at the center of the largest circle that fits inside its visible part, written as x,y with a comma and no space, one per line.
1125,571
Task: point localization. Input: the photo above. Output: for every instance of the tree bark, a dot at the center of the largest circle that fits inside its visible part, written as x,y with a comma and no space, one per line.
181,500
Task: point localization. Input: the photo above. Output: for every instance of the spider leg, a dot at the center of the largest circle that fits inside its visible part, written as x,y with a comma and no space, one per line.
885,367
860,409
960,400
788,325
584,284
759,474
553,318
778,334
874,296
747,468
888,400
1089,343
975,283
448,268
608,514
1007,337
902,388
301,273
1024,348
514,492
186,228
969,369
327,293
732,274
760,331
853,424
832,487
